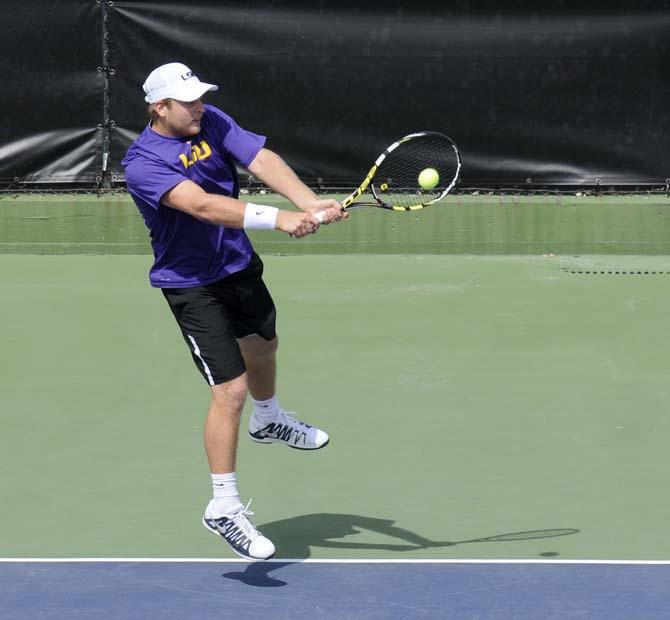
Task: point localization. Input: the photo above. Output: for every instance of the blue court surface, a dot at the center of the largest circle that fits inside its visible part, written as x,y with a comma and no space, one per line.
362,590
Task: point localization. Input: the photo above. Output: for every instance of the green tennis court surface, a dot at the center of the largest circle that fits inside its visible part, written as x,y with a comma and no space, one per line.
481,404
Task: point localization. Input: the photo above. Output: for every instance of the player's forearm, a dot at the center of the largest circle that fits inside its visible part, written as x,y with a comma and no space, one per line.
220,210
233,213
236,214
272,170
212,208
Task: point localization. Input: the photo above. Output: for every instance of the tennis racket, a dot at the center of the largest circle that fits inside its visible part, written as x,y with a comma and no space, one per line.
412,173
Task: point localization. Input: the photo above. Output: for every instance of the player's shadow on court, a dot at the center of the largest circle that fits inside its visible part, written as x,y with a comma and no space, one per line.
295,538
257,574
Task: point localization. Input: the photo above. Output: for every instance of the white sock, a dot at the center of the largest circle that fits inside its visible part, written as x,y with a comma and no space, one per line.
265,411
226,498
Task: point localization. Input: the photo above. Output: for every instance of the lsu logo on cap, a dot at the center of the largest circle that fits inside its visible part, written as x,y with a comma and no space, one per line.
187,75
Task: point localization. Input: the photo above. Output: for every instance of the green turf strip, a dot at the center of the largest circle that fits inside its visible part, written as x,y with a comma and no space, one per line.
460,225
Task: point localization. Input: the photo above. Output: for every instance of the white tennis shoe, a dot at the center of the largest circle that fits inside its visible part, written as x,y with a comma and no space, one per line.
239,533
288,430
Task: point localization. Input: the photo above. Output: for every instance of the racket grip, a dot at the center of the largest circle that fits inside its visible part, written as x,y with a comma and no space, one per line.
319,215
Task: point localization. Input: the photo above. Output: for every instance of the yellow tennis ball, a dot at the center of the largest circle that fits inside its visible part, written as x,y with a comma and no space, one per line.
428,178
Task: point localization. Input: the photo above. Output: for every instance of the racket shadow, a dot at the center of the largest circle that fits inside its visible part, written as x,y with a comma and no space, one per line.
295,537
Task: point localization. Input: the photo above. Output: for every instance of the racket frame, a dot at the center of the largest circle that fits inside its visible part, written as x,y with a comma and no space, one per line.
349,201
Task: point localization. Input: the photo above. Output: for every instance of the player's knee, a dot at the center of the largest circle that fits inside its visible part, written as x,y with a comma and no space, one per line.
232,394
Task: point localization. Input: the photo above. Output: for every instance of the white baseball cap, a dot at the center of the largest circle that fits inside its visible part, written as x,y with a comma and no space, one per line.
174,81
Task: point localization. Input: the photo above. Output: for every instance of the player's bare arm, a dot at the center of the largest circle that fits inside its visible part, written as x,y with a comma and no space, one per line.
272,170
230,212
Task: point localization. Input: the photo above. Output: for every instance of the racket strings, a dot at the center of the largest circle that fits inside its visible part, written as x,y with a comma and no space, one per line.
396,182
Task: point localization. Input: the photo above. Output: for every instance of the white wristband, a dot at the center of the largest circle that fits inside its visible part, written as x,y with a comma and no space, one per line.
260,217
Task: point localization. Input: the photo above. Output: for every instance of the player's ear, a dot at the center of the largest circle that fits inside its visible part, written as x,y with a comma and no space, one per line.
160,108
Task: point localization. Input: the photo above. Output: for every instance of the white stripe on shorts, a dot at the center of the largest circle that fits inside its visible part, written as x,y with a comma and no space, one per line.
196,351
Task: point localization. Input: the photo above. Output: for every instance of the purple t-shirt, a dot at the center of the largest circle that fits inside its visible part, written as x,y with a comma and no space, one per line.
190,252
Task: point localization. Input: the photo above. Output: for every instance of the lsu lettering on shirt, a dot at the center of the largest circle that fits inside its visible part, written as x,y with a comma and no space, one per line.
187,251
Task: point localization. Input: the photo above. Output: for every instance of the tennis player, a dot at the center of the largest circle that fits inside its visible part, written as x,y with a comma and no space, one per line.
181,173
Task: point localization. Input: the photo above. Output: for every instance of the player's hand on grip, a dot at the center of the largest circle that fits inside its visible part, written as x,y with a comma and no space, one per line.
329,210
297,224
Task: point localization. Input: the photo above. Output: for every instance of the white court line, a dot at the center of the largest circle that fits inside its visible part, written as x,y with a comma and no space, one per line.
325,561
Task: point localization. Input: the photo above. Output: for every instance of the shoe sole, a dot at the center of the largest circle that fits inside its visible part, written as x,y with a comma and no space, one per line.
271,441
246,557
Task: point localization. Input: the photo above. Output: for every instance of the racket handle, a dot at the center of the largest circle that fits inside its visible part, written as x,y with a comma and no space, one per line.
319,215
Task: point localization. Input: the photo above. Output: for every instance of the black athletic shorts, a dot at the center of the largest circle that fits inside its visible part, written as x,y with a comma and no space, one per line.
212,317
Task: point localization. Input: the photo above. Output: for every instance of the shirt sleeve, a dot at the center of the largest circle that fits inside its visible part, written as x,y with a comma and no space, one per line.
149,180
241,144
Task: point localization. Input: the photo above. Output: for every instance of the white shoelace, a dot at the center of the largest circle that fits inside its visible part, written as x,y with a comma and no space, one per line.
289,420
242,522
